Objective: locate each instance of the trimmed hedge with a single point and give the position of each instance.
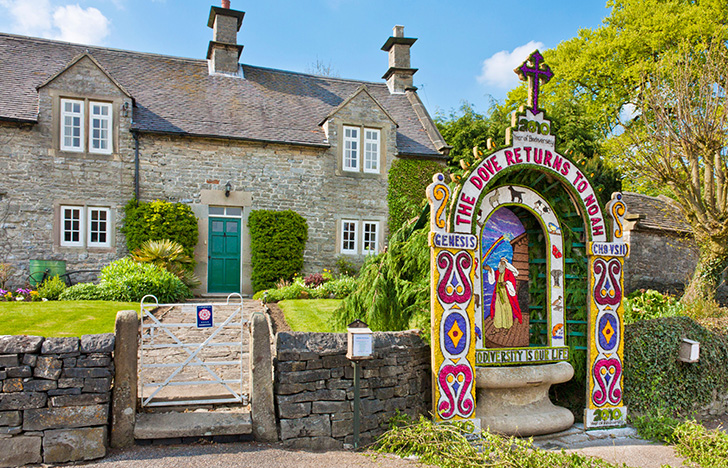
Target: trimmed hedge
(277, 242)
(655, 380)
(159, 220)
(408, 179)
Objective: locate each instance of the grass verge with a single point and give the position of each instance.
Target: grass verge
(310, 315)
(60, 318)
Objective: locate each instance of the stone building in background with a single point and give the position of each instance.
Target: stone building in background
(85, 129)
(663, 253)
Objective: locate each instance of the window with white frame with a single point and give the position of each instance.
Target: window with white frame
(371, 150)
(72, 123)
(348, 236)
(98, 227)
(361, 149)
(76, 123)
(83, 226)
(359, 237)
(100, 125)
(351, 149)
(72, 226)
(370, 237)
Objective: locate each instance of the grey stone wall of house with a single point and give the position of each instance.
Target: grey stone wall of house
(38, 177)
(306, 180)
(314, 387)
(54, 398)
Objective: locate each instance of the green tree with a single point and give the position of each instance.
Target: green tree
(601, 70)
(679, 140)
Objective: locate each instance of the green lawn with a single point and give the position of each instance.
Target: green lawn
(311, 315)
(60, 318)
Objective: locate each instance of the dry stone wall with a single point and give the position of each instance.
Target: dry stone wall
(314, 386)
(54, 398)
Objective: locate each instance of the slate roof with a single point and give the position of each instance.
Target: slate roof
(178, 95)
(655, 212)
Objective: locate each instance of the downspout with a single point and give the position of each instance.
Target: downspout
(135, 135)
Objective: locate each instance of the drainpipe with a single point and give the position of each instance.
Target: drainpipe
(135, 135)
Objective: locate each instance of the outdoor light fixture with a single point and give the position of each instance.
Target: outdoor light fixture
(125, 110)
(689, 351)
(228, 187)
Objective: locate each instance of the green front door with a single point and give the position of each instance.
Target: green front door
(223, 261)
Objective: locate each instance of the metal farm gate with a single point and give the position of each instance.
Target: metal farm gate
(193, 353)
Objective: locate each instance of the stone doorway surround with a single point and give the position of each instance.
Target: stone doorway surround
(235, 198)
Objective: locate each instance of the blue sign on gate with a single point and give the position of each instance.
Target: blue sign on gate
(204, 316)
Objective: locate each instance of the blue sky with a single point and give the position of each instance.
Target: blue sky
(466, 50)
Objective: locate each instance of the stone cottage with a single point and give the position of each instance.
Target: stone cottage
(663, 253)
(85, 129)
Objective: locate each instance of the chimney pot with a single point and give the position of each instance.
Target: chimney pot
(226, 4)
(398, 31)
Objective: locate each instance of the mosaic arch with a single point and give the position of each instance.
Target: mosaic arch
(460, 261)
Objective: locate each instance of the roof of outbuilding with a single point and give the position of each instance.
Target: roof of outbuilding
(655, 212)
(178, 95)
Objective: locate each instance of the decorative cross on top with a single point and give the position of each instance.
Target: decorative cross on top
(535, 71)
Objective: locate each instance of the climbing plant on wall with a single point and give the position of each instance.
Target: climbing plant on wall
(408, 179)
(277, 240)
(159, 220)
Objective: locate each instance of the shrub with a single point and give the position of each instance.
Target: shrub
(51, 288)
(707, 448)
(650, 304)
(169, 255)
(314, 280)
(277, 242)
(655, 382)
(346, 267)
(392, 291)
(334, 289)
(128, 281)
(81, 292)
(6, 269)
(159, 220)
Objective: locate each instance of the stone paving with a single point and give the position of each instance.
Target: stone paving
(231, 343)
(616, 446)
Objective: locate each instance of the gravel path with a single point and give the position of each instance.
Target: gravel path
(239, 455)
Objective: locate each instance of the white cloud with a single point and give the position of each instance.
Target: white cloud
(64, 22)
(30, 18)
(498, 69)
(87, 26)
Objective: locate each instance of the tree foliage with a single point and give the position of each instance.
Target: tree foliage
(601, 70)
(679, 140)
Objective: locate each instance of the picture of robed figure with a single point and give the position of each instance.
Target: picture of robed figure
(504, 307)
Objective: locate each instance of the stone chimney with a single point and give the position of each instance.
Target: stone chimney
(224, 51)
(399, 75)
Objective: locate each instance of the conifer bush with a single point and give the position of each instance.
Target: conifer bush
(277, 241)
(393, 288)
